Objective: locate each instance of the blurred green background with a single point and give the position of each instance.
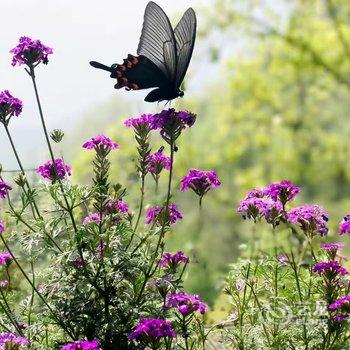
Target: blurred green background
(275, 105)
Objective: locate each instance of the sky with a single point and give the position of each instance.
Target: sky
(78, 31)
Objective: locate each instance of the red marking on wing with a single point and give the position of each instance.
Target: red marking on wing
(122, 70)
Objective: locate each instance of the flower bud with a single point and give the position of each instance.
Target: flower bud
(57, 135)
(20, 180)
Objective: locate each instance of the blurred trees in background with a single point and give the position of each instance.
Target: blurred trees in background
(277, 107)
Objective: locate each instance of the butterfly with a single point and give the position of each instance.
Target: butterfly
(164, 55)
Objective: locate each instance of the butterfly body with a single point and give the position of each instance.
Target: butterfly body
(163, 57)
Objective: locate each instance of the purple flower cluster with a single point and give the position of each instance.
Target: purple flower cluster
(82, 345)
(100, 141)
(154, 214)
(268, 202)
(283, 191)
(331, 248)
(4, 188)
(30, 52)
(143, 121)
(2, 227)
(152, 329)
(342, 303)
(330, 268)
(54, 171)
(117, 206)
(171, 122)
(9, 106)
(172, 261)
(157, 162)
(344, 226)
(256, 208)
(200, 181)
(93, 217)
(168, 117)
(186, 304)
(5, 258)
(12, 341)
(311, 218)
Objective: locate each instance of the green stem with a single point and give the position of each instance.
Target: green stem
(141, 201)
(9, 313)
(161, 234)
(5, 327)
(22, 169)
(68, 207)
(295, 270)
(200, 202)
(31, 301)
(261, 310)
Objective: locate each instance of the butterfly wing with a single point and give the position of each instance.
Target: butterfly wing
(157, 41)
(136, 73)
(185, 36)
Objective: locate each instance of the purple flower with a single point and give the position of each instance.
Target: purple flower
(100, 141)
(79, 262)
(255, 193)
(30, 52)
(157, 162)
(332, 248)
(2, 226)
(12, 341)
(199, 181)
(283, 191)
(9, 106)
(93, 217)
(157, 214)
(240, 284)
(56, 171)
(256, 208)
(172, 261)
(143, 121)
(186, 303)
(342, 303)
(344, 226)
(329, 247)
(4, 188)
(340, 317)
(330, 268)
(4, 283)
(283, 259)
(82, 345)
(311, 218)
(117, 207)
(5, 258)
(150, 331)
(171, 122)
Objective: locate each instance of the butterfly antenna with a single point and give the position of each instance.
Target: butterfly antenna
(99, 65)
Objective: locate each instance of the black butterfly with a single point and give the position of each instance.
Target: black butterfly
(164, 56)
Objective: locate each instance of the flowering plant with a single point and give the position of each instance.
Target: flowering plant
(106, 281)
(293, 292)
